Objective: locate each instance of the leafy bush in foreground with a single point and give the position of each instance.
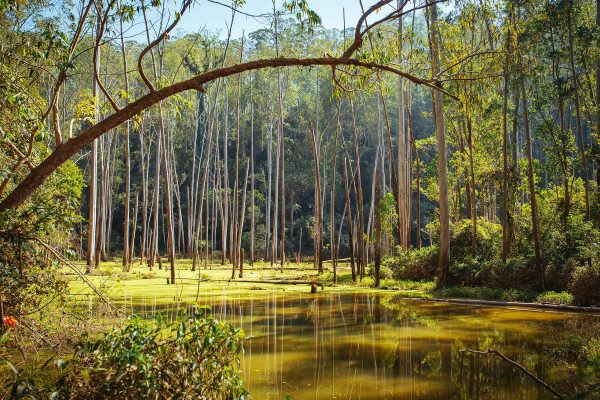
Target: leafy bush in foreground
(196, 358)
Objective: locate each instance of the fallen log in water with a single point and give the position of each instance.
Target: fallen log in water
(276, 282)
(496, 303)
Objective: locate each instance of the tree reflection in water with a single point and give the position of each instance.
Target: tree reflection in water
(371, 346)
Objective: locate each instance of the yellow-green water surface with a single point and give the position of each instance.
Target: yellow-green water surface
(344, 343)
(377, 346)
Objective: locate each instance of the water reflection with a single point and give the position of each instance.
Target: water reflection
(379, 347)
(366, 346)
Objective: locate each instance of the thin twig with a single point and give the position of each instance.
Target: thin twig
(66, 262)
(515, 364)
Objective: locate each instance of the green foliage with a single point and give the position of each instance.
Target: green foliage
(488, 242)
(563, 298)
(193, 358)
(389, 213)
(385, 272)
(413, 264)
(303, 13)
(27, 277)
(484, 292)
(591, 352)
(585, 285)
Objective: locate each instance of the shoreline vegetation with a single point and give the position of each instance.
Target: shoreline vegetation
(301, 275)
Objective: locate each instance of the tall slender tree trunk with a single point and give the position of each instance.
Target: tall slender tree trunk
(275, 229)
(506, 214)
(444, 240)
(144, 172)
(236, 210)
(252, 197)
(282, 193)
(350, 233)
(133, 228)
(93, 190)
(418, 192)
(240, 250)
(168, 196)
(269, 187)
(539, 269)
(403, 186)
(580, 137)
(360, 216)
(377, 229)
(598, 123)
(225, 219)
(318, 227)
(473, 193)
(338, 128)
(126, 201)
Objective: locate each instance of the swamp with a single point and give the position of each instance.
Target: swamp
(300, 200)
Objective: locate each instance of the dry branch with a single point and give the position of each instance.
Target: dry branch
(66, 262)
(495, 352)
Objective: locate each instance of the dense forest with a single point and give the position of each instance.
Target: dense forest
(447, 146)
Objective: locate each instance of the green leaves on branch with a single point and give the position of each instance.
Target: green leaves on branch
(303, 13)
(193, 358)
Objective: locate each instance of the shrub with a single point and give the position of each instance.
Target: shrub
(555, 298)
(488, 243)
(585, 285)
(483, 292)
(468, 273)
(195, 358)
(385, 272)
(516, 272)
(591, 353)
(515, 295)
(413, 264)
(28, 276)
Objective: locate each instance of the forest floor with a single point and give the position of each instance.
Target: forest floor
(140, 284)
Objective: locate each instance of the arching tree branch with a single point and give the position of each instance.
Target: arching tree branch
(160, 38)
(62, 153)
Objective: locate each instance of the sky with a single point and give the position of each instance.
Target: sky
(214, 17)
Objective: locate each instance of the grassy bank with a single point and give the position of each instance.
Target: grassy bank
(214, 280)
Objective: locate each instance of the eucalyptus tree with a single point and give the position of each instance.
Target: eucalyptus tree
(64, 149)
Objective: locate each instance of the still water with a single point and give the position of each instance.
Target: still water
(366, 346)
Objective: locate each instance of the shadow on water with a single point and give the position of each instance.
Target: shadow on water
(371, 346)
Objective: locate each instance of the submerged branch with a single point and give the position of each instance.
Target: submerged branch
(495, 352)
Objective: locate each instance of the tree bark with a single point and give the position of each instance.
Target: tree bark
(377, 229)
(539, 269)
(350, 233)
(444, 240)
(126, 261)
(62, 153)
(580, 137)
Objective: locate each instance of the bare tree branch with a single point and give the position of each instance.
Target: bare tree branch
(99, 35)
(160, 38)
(515, 364)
